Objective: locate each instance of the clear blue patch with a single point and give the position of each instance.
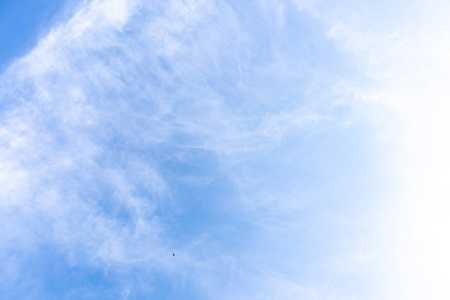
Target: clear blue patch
(22, 23)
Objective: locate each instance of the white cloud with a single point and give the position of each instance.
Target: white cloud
(95, 110)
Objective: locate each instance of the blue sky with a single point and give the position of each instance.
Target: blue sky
(22, 23)
(281, 149)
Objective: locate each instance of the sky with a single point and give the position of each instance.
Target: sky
(291, 149)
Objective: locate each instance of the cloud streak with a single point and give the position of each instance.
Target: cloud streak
(208, 127)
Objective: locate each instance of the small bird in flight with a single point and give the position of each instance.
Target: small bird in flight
(173, 254)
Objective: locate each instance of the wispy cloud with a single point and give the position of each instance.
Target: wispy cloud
(135, 128)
